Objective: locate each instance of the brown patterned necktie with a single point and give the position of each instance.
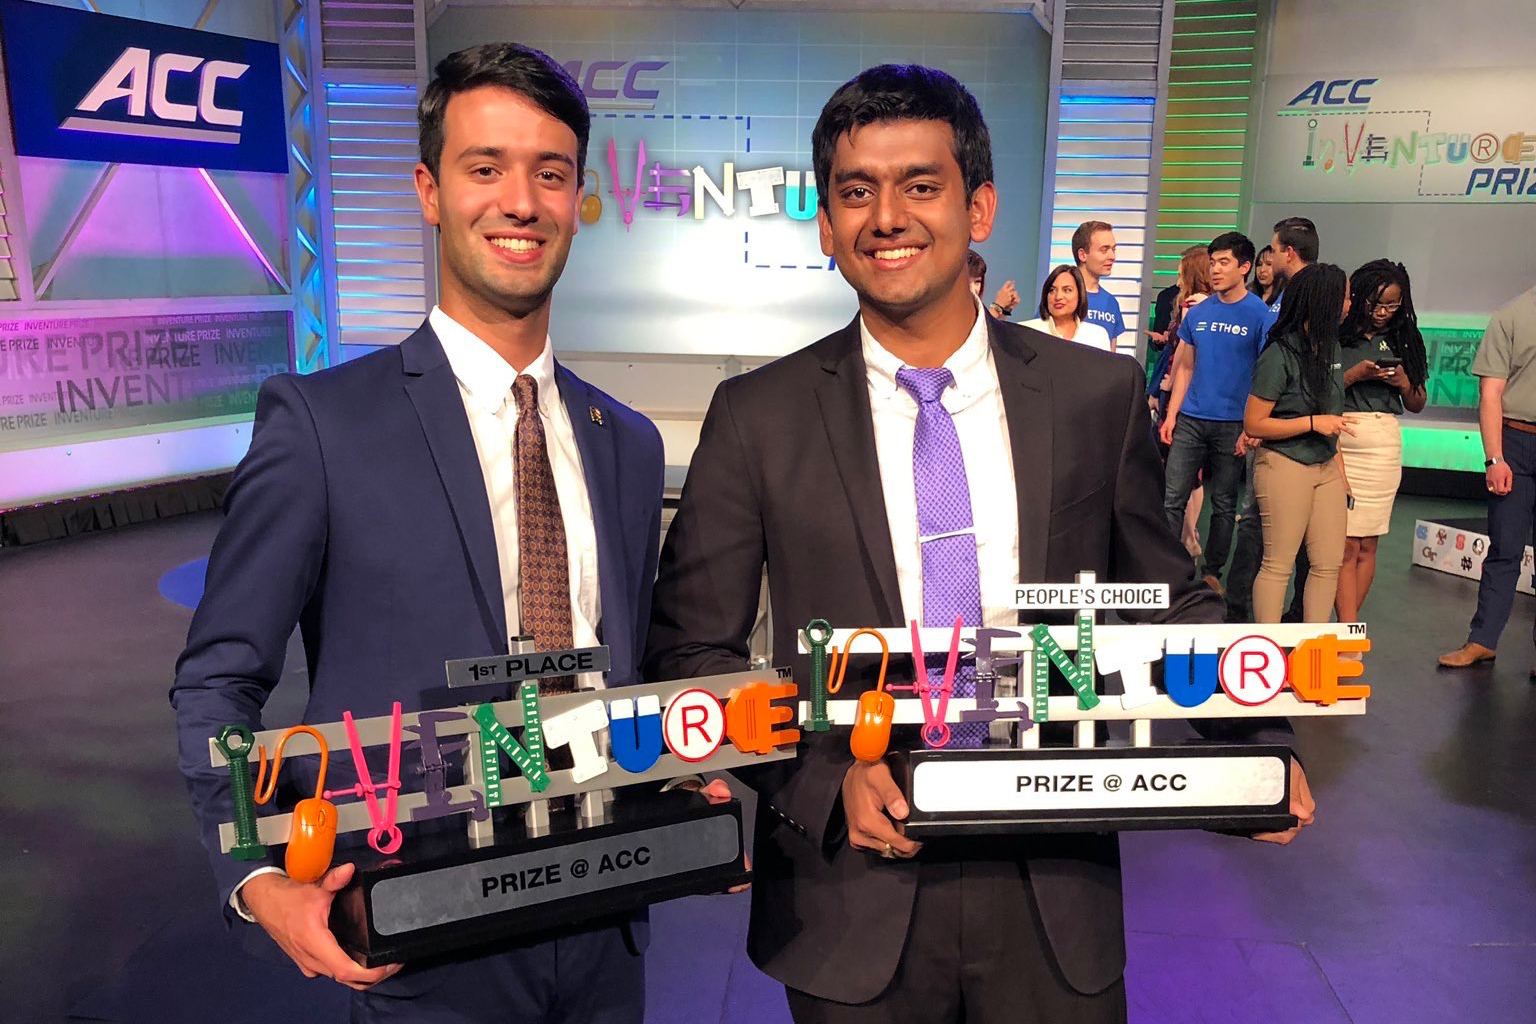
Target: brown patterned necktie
(544, 580)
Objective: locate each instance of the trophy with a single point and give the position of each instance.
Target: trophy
(1222, 671)
(540, 848)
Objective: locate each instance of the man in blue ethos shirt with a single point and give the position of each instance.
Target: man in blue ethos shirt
(1093, 247)
(1219, 340)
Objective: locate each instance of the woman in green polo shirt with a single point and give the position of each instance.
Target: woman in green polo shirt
(1295, 407)
(1386, 370)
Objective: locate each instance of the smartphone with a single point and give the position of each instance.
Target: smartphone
(1387, 362)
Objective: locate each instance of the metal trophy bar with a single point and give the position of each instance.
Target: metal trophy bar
(538, 848)
(1229, 671)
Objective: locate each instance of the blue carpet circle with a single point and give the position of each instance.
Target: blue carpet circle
(184, 584)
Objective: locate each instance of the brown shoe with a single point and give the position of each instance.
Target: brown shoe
(1467, 656)
(1215, 584)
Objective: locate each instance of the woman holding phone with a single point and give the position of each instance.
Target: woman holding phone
(1295, 406)
(1387, 370)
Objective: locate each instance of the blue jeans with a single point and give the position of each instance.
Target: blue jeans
(1509, 531)
(1209, 445)
(1248, 553)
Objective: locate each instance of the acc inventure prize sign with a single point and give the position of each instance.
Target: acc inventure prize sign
(1359, 135)
(90, 378)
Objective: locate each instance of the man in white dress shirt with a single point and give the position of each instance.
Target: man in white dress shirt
(915, 465)
(426, 502)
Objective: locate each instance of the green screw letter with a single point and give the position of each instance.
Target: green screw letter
(246, 847)
(818, 634)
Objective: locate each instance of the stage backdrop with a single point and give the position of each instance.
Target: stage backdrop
(706, 240)
(147, 192)
(1362, 136)
(66, 381)
(1450, 112)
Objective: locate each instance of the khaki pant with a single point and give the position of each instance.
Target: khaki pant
(1297, 502)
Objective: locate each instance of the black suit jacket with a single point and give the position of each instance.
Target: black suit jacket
(786, 474)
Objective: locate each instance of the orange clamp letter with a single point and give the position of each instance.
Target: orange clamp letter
(750, 717)
(1316, 670)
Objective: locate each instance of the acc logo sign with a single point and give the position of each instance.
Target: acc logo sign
(630, 93)
(106, 89)
(146, 84)
(1335, 93)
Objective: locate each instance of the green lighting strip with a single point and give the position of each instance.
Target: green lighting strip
(1449, 446)
(1202, 139)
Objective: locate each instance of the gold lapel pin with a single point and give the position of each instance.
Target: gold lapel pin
(596, 414)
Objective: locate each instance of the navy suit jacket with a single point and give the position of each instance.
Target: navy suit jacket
(360, 515)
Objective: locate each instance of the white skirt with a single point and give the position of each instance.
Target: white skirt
(1373, 464)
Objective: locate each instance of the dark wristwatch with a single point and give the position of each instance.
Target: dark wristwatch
(1490, 463)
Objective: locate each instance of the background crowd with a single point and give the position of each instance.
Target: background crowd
(1275, 385)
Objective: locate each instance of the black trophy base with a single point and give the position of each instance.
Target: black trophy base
(1003, 791)
(440, 896)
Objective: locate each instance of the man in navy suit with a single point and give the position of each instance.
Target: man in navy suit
(420, 504)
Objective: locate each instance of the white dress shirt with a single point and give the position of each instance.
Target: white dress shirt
(1088, 334)
(975, 402)
(485, 384)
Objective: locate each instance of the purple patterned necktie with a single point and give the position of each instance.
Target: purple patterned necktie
(946, 532)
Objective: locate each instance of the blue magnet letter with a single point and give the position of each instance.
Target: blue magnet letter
(634, 735)
(1190, 680)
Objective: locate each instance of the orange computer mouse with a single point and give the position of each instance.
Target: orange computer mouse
(872, 731)
(877, 709)
(312, 836)
(312, 840)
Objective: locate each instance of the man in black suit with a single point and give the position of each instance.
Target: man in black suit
(817, 465)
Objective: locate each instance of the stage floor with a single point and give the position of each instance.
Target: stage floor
(1412, 901)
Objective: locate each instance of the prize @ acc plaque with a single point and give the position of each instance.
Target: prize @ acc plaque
(1218, 671)
(496, 844)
